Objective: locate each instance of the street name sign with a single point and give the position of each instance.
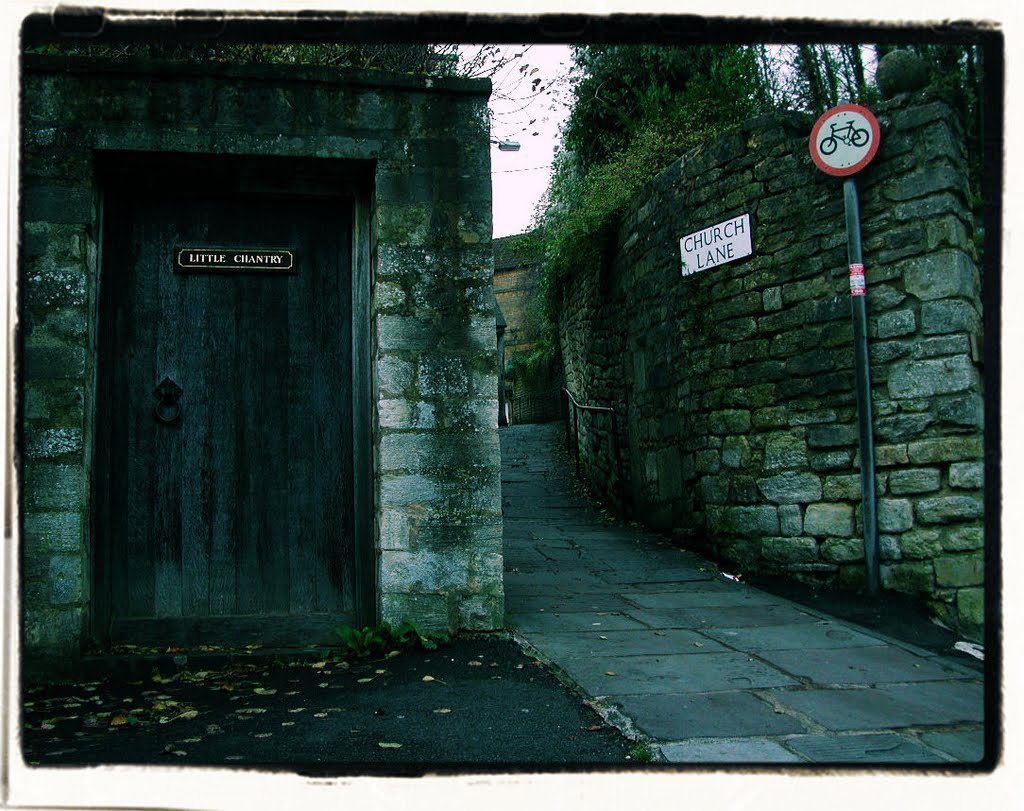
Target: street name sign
(234, 260)
(717, 244)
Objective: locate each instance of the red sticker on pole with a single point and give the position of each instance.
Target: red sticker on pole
(845, 139)
(858, 284)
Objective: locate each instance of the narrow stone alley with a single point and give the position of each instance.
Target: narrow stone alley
(703, 668)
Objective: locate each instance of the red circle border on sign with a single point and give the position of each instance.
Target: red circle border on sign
(876, 138)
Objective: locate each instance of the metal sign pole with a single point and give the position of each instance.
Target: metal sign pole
(843, 141)
(858, 300)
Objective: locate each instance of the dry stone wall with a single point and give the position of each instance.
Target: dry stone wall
(734, 386)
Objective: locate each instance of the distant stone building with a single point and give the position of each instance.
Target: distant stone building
(517, 279)
(257, 368)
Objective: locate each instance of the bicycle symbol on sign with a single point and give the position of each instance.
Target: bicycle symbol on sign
(847, 133)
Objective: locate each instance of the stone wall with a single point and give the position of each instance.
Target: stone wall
(517, 288)
(734, 386)
(517, 280)
(431, 362)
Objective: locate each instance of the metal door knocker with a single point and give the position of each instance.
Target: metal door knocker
(168, 393)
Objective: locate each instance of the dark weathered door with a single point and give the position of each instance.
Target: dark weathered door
(226, 511)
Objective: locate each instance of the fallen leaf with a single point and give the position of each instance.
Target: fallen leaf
(319, 715)
(475, 664)
(364, 681)
(384, 745)
(595, 728)
(602, 637)
(189, 715)
(118, 720)
(323, 684)
(298, 709)
(263, 734)
(319, 665)
(429, 678)
(443, 710)
(610, 673)
(249, 710)
(265, 691)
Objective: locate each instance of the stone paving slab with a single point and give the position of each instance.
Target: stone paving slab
(523, 584)
(672, 673)
(672, 716)
(651, 572)
(580, 621)
(725, 750)
(877, 664)
(738, 596)
(662, 585)
(966, 747)
(623, 643)
(820, 635)
(724, 617)
(556, 580)
(563, 603)
(879, 748)
(558, 554)
(530, 511)
(890, 706)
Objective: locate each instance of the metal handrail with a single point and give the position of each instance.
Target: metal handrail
(572, 435)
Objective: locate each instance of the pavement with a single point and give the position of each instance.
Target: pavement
(707, 669)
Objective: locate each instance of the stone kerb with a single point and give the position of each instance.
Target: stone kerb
(434, 356)
(737, 383)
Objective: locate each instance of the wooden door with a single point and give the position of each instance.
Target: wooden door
(226, 498)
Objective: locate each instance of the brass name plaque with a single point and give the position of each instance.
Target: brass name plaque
(234, 260)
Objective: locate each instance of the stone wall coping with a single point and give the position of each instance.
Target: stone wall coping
(316, 74)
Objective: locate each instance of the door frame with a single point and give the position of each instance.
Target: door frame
(274, 177)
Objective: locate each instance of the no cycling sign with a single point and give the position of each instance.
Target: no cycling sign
(844, 140)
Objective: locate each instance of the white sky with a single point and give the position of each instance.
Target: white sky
(519, 179)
